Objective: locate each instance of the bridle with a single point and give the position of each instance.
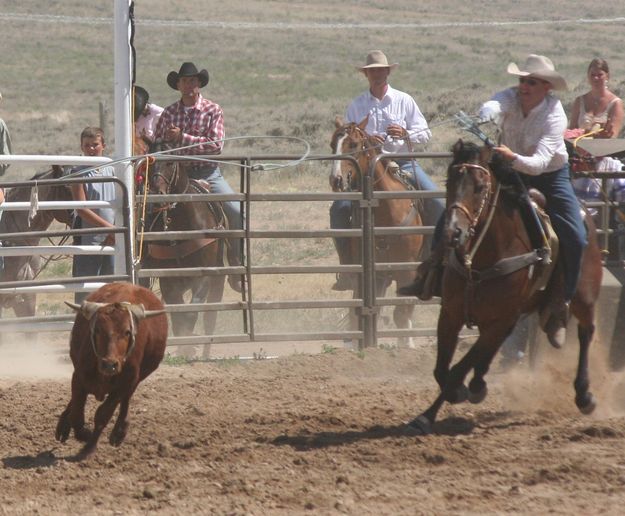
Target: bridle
(488, 199)
(363, 149)
(171, 180)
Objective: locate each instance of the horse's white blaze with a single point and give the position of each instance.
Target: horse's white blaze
(336, 164)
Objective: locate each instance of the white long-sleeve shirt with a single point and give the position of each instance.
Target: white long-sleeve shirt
(537, 139)
(396, 107)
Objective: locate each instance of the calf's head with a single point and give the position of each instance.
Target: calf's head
(112, 331)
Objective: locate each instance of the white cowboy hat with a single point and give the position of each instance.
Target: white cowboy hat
(376, 59)
(539, 67)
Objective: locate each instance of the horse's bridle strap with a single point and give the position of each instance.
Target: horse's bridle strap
(181, 250)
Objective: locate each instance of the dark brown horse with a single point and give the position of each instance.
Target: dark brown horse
(351, 139)
(171, 178)
(28, 267)
(491, 278)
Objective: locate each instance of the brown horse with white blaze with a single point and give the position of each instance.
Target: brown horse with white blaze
(351, 139)
(491, 279)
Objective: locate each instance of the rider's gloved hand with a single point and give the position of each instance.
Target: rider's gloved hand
(490, 112)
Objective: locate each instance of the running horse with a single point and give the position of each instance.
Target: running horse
(18, 268)
(351, 139)
(170, 177)
(492, 277)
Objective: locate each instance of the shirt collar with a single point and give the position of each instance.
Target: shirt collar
(182, 107)
(387, 94)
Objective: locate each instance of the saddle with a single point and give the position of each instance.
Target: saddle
(549, 249)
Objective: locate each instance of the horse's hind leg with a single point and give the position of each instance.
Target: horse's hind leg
(584, 312)
(584, 399)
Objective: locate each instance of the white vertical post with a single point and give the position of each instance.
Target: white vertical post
(123, 125)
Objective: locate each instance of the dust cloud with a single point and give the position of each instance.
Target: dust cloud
(34, 356)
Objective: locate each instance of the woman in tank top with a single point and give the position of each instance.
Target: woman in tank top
(599, 109)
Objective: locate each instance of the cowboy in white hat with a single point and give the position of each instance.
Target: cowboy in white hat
(395, 120)
(196, 125)
(532, 124)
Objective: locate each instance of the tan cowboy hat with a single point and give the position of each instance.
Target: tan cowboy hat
(539, 67)
(376, 59)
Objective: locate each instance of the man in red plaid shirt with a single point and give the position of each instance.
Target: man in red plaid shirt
(197, 125)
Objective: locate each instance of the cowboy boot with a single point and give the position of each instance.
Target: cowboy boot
(555, 315)
(429, 278)
(555, 326)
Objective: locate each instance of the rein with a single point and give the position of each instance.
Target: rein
(502, 267)
(180, 249)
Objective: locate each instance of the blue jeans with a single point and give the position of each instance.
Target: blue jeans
(90, 265)
(232, 209)
(341, 210)
(564, 211)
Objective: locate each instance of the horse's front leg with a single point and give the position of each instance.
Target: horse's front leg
(452, 388)
(448, 328)
(486, 347)
(172, 289)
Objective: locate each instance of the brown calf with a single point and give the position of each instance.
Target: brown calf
(113, 347)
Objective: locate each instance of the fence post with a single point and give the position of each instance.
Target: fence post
(369, 313)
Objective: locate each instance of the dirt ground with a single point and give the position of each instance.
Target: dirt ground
(320, 434)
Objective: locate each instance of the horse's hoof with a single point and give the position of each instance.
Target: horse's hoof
(421, 425)
(478, 397)
(460, 395)
(587, 405)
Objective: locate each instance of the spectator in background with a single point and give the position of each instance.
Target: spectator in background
(5, 142)
(599, 110)
(146, 115)
(397, 123)
(197, 124)
(597, 113)
(92, 144)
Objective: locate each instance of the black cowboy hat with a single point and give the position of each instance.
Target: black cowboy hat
(187, 70)
(141, 100)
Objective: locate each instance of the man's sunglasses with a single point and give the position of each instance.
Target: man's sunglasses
(529, 81)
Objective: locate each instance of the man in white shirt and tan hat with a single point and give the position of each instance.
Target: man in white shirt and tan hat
(532, 122)
(397, 123)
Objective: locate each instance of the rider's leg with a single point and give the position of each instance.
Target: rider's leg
(340, 218)
(429, 276)
(564, 211)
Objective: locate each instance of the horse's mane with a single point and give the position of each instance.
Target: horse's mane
(15, 194)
